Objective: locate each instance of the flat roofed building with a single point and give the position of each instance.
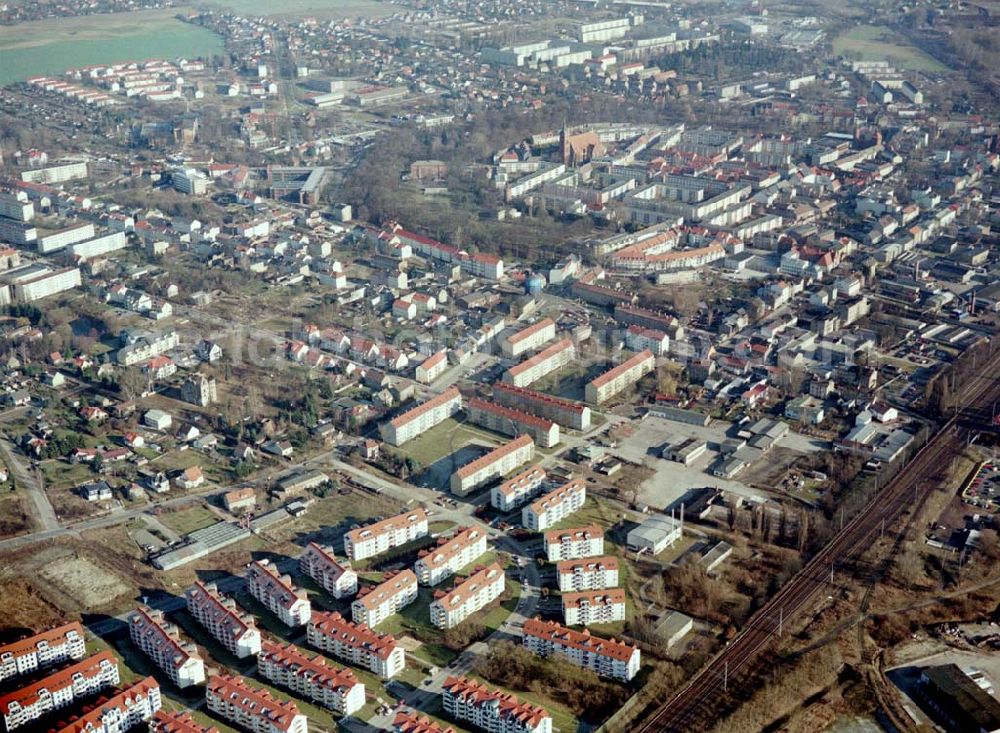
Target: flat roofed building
(515, 491)
(468, 596)
(472, 702)
(529, 338)
(554, 506)
(621, 377)
(421, 418)
(606, 657)
(958, 701)
(545, 362)
(335, 577)
(375, 604)
(498, 462)
(289, 603)
(509, 421)
(372, 539)
(573, 543)
(161, 641)
(566, 413)
(254, 708)
(356, 643)
(592, 573)
(334, 689)
(135, 704)
(654, 535)
(59, 690)
(233, 629)
(451, 555)
(180, 721)
(582, 608)
(45, 649)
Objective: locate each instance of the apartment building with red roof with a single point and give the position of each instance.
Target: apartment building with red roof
(528, 338)
(554, 506)
(603, 606)
(335, 577)
(178, 722)
(573, 542)
(450, 555)
(471, 594)
(356, 643)
(470, 701)
(607, 657)
(276, 591)
(591, 573)
(566, 413)
(254, 708)
(421, 418)
(409, 721)
(136, 704)
(545, 362)
(617, 379)
(311, 677)
(515, 491)
(372, 539)
(235, 630)
(498, 462)
(376, 603)
(44, 649)
(510, 421)
(160, 640)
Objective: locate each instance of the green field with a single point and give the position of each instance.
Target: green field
(878, 43)
(184, 521)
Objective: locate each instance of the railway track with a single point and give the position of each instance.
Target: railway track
(695, 701)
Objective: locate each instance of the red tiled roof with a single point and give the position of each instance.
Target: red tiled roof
(605, 597)
(374, 596)
(510, 707)
(255, 700)
(588, 565)
(557, 348)
(583, 640)
(510, 413)
(274, 583)
(407, 721)
(27, 696)
(468, 586)
(495, 455)
(448, 547)
(388, 525)
(92, 719)
(633, 363)
(574, 533)
(441, 399)
(319, 672)
(178, 722)
(531, 330)
(512, 485)
(356, 636)
(557, 495)
(51, 637)
(532, 394)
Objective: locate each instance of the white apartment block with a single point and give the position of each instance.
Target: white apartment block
(160, 641)
(356, 643)
(606, 657)
(592, 573)
(373, 539)
(469, 701)
(136, 704)
(574, 543)
(528, 339)
(432, 367)
(62, 238)
(554, 506)
(450, 556)
(619, 378)
(567, 413)
(374, 604)
(30, 283)
(421, 418)
(545, 362)
(640, 338)
(45, 649)
(335, 689)
(16, 206)
(508, 421)
(276, 592)
(252, 708)
(230, 627)
(59, 690)
(55, 173)
(588, 607)
(333, 576)
(498, 462)
(515, 491)
(470, 595)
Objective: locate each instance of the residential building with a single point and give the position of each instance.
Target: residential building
(35, 281)
(566, 413)
(515, 491)
(252, 708)
(639, 338)
(409, 721)
(470, 595)
(554, 506)
(422, 418)
(574, 543)
(498, 462)
(333, 576)
(199, 390)
(160, 640)
(239, 501)
(356, 643)
(432, 367)
(607, 657)
(373, 539)
(136, 704)
(234, 630)
(584, 608)
(45, 649)
(619, 378)
(180, 721)
(528, 339)
(508, 421)
(469, 701)
(545, 362)
(312, 678)
(451, 555)
(59, 690)
(592, 573)
(274, 590)
(376, 603)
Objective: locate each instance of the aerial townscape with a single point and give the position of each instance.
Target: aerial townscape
(504, 366)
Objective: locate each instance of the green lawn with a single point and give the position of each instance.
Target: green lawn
(593, 511)
(63, 475)
(444, 439)
(877, 43)
(185, 521)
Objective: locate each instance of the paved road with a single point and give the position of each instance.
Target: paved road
(30, 479)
